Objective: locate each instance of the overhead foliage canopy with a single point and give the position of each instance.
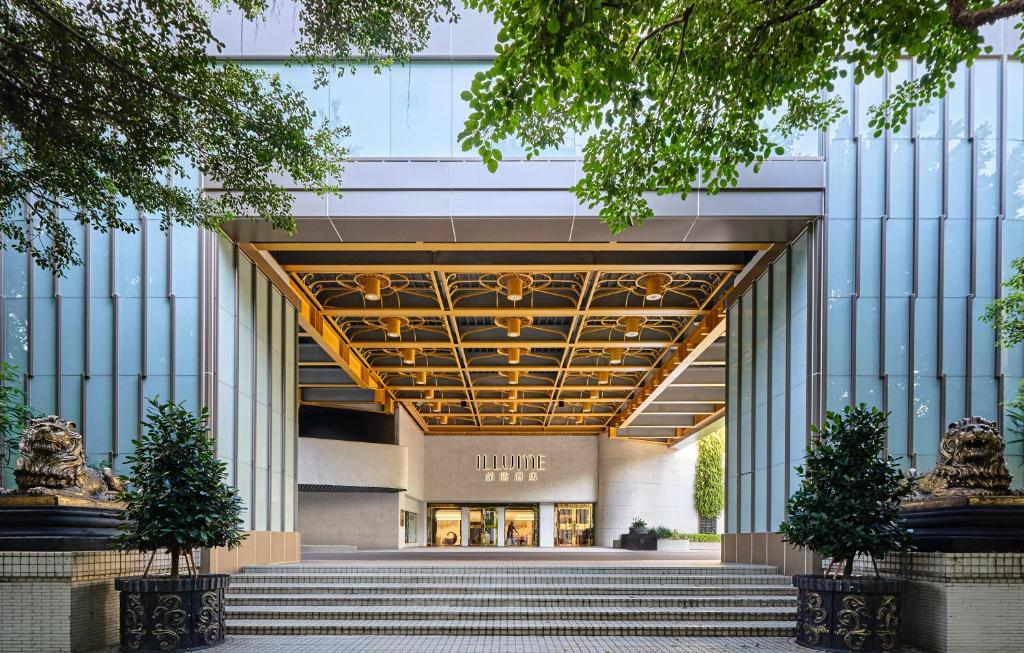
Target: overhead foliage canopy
(671, 91)
(106, 102)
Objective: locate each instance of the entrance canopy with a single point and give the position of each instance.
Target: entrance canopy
(497, 304)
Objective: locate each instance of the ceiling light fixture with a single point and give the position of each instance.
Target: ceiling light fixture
(371, 288)
(513, 325)
(603, 378)
(631, 326)
(409, 356)
(429, 394)
(393, 326)
(615, 355)
(421, 377)
(515, 288)
(513, 377)
(654, 287)
(595, 394)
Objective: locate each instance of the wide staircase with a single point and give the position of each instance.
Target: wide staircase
(325, 599)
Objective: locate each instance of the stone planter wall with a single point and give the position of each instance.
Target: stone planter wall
(64, 601)
(666, 544)
(957, 602)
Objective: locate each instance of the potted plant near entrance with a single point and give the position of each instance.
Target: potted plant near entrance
(176, 501)
(638, 527)
(848, 505)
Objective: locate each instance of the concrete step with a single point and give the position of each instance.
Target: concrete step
(515, 613)
(787, 599)
(774, 587)
(488, 627)
(557, 579)
(512, 568)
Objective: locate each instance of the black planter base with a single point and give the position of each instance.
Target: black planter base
(172, 614)
(969, 525)
(860, 614)
(639, 541)
(29, 523)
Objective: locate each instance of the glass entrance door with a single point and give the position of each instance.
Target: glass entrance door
(574, 524)
(483, 527)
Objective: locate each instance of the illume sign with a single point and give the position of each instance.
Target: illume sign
(515, 468)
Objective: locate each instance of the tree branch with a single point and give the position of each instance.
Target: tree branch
(964, 17)
(681, 19)
(785, 18)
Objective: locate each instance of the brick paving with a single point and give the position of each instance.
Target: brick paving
(514, 644)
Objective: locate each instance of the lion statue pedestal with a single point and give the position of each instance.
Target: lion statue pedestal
(60, 504)
(965, 505)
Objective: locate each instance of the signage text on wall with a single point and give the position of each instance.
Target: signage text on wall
(515, 468)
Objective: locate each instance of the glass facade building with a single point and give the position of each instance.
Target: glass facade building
(881, 253)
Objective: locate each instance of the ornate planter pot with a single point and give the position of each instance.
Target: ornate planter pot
(641, 530)
(171, 614)
(859, 614)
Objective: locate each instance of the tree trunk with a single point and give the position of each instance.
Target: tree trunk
(174, 563)
(848, 569)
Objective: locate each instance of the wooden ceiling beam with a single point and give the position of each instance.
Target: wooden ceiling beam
(372, 312)
(384, 268)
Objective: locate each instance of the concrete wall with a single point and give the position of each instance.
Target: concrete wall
(348, 464)
(367, 520)
(410, 437)
(451, 474)
(646, 480)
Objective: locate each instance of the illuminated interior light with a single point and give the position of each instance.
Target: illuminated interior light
(615, 355)
(444, 418)
(513, 394)
(421, 378)
(409, 356)
(513, 377)
(514, 407)
(632, 326)
(436, 406)
(603, 378)
(595, 394)
(393, 327)
(580, 419)
(429, 394)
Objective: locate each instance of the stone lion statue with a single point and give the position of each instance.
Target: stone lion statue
(52, 462)
(970, 462)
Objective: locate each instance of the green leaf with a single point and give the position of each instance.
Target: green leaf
(553, 25)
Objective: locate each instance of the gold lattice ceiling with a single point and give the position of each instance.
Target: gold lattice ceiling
(479, 351)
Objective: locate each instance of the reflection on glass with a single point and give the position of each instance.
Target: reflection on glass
(409, 521)
(483, 527)
(447, 526)
(520, 527)
(574, 524)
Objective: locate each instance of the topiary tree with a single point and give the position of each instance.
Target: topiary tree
(176, 498)
(849, 498)
(709, 482)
